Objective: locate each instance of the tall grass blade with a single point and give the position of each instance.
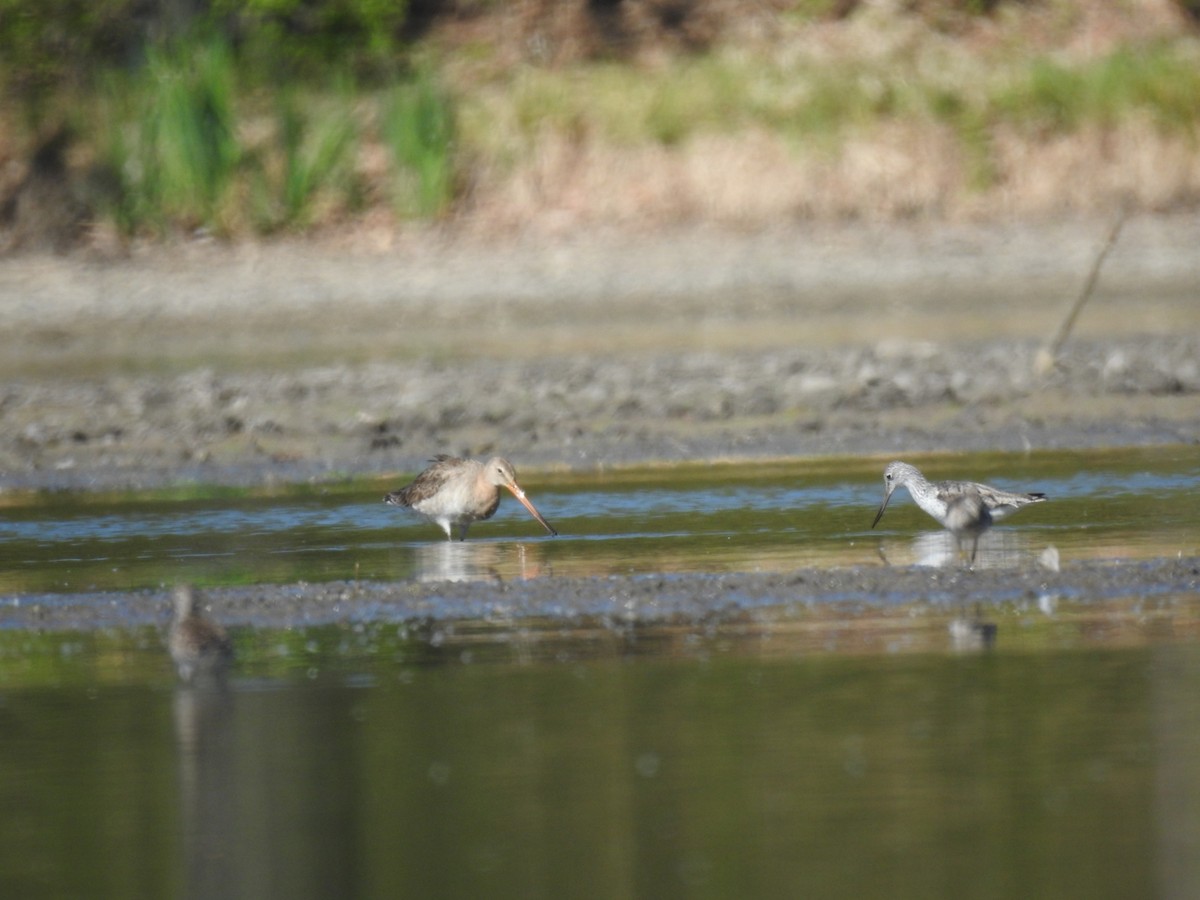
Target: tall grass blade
(418, 128)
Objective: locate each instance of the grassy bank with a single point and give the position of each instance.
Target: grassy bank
(505, 118)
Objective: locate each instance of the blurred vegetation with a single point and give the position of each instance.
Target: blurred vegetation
(174, 147)
(268, 115)
(417, 123)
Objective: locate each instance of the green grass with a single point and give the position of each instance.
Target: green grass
(187, 142)
(417, 122)
(171, 135)
(198, 142)
(1160, 82)
(196, 145)
(311, 154)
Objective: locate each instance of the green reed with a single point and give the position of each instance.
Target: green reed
(309, 158)
(417, 123)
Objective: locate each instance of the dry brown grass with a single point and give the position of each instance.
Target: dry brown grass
(571, 171)
(894, 168)
(896, 171)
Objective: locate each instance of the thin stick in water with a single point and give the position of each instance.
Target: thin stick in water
(1047, 356)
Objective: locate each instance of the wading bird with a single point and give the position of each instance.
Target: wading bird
(455, 492)
(965, 508)
(198, 645)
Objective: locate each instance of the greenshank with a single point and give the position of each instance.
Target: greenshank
(964, 508)
(967, 516)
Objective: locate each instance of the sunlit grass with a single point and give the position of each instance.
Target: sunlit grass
(945, 103)
(173, 142)
(417, 121)
(1162, 82)
(310, 156)
(807, 98)
(197, 144)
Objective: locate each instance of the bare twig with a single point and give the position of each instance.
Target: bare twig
(1047, 356)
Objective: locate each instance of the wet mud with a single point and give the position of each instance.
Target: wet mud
(301, 362)
(1155, 597)
(247, 366)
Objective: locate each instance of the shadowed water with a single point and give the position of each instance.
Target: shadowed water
(701, 774)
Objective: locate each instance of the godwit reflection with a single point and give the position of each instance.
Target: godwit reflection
(462, 561)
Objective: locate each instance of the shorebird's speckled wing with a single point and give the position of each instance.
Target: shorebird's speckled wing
(432, 480)
(935, 497)
(998, 503)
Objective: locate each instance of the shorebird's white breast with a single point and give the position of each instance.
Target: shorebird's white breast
(926, 496)
(457, 500)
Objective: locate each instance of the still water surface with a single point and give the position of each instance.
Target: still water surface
(996, 775)
(374, 761)
(1127, 504)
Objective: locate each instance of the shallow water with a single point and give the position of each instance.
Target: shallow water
(708, 774)
(720, 518)
(837, 752)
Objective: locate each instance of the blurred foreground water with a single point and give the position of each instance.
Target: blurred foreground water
(1004, 774)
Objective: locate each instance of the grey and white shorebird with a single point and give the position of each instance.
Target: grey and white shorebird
(455, 492)
(198, 645)
(965, 508)
(967, 516)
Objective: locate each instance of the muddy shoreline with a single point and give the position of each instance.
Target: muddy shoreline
(303, 362)
(616, 601)
(307, 363)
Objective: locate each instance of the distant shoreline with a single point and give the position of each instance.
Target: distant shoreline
(304, 360)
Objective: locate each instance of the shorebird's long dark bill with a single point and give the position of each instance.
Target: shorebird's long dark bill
(882, 506)
(520, 495)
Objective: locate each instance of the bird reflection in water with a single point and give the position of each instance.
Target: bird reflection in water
(1001, 548)
(203, 716)
(478, 561)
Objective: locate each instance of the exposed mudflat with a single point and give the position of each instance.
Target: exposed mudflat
(242, 365)
(855, 610)
(309, 361)
(618, 601)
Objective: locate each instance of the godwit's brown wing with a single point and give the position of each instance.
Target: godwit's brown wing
(444, 469)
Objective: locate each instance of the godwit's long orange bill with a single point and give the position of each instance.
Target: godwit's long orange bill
(528, 504)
